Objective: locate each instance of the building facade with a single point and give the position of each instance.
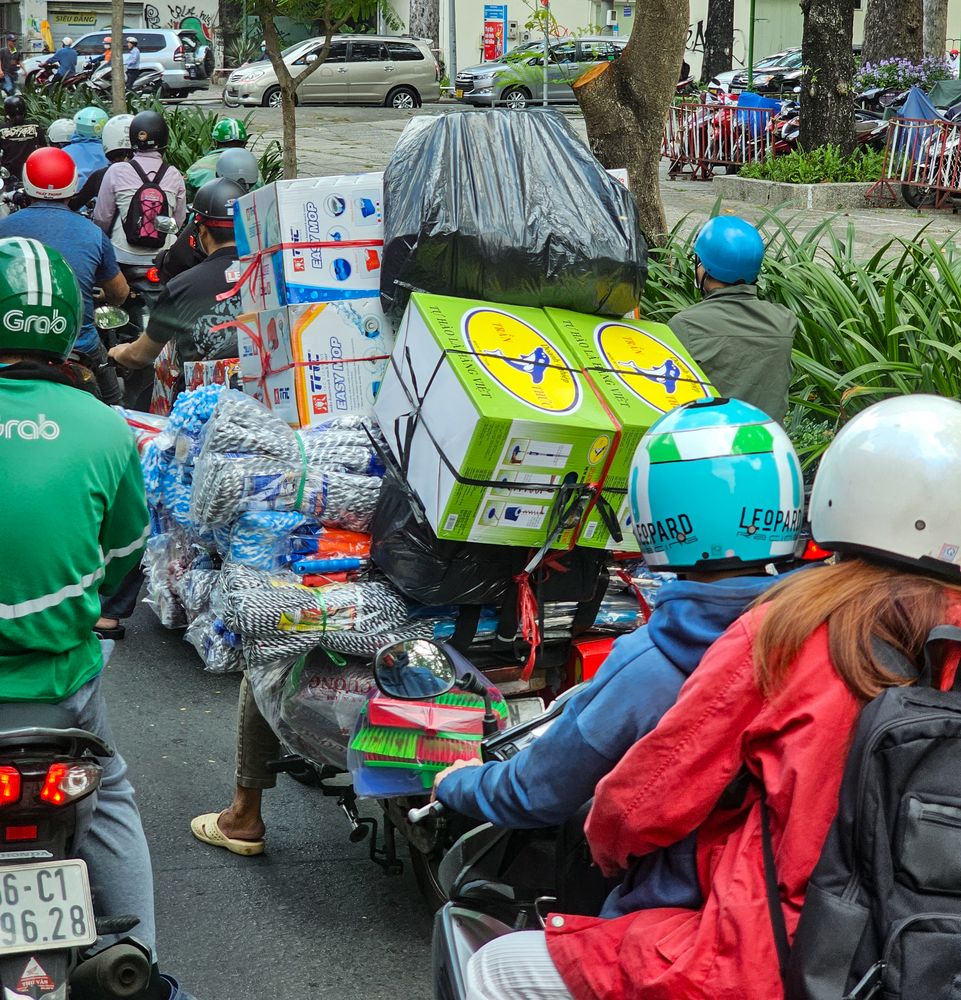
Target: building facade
(777, 25)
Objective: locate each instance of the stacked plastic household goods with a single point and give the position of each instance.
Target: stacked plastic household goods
(313, 338)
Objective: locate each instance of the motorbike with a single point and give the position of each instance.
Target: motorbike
(44, 76)
(149, 81)
(49, 772)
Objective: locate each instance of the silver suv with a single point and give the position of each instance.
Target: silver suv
(517, 79)
(185, 62)
(396, 71)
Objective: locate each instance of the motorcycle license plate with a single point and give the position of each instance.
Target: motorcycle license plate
(523, 710)
(458, 94)
(45, 906)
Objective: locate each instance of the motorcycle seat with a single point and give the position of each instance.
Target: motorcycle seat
(39, 724)
(20, 715)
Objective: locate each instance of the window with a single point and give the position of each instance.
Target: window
(91, 45)
(598, 51)
(566, 52)
(368, 52)
(337, 54)
(147, 41)
(404, 52)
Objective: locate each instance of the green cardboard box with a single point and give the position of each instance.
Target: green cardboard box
(642, 372)
(483, 392)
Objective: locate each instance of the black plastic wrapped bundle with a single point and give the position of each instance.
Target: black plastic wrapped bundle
(508, 206)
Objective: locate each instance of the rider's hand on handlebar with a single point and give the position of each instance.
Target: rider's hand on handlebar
(456, 766)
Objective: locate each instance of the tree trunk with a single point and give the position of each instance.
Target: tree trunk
(935, 28)
(288, 117)
(827, 96)
(424, 20)
(118, 83)
(625, 103)
(718, 39)
(893, 29)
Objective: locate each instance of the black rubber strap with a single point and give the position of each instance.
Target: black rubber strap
(773, 895)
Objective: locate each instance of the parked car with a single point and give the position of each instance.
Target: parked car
(396, 71)
(770, 67)
(186, 63)
(517, 79)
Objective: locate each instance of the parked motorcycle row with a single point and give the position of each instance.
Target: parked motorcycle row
(94, 77)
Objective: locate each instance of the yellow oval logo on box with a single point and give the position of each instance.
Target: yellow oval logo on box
(648, 367)
(522, 361)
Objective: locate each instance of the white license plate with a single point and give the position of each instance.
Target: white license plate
(523, 710)
(45, 906)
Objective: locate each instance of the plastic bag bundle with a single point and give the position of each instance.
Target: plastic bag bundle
(313, 705)
(189, 417)
(196, 586)
(176, 484)
(261, 539)
(251, 460)
(280, 619)
(166, 560)
(503, 207)
(218, 647)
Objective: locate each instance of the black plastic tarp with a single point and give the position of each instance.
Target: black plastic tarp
(508, 206)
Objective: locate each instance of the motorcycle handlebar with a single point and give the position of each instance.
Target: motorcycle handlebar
(416, 816)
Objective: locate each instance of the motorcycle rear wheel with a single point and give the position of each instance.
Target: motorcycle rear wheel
(916, 196)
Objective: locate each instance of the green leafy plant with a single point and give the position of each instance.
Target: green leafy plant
(902, 73)
(824, 165)
(867, 329)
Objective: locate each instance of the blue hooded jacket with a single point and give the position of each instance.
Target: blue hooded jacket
(87, 152)
(551, 779)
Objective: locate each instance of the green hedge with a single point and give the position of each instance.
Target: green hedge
(824, 165)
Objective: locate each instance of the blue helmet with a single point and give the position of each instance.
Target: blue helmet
(715, 485)
(730, 249)
(90, 121)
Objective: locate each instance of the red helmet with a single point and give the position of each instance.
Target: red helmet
(51, 174)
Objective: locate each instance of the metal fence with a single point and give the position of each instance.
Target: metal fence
(699, 138)
(923, 159)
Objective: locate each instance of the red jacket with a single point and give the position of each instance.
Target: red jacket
(669, 784)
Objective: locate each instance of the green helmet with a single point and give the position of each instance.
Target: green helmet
(90, 122)
(41, 308)
(229, 130)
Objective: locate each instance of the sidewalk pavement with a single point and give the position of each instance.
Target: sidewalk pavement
(332, 140)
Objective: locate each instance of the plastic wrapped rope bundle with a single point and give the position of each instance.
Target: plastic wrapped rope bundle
(279, 619)
(314, 704)
(261, 539)
(166, 560)
(219, 648)
(251, 460)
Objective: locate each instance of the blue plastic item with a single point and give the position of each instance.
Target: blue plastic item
(730, 249)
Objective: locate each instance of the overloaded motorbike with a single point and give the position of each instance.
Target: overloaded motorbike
(49, 774)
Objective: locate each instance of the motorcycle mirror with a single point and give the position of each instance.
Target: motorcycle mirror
(413, 670)
(165, 224)
(110, 318)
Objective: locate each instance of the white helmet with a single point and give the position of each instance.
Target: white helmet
(889, 485)
(67, 42)
(61, 131)
(116, 133)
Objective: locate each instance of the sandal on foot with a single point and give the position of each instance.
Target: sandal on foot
(110, 633)
(207, 829)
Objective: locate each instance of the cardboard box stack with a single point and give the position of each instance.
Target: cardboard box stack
(313, 340)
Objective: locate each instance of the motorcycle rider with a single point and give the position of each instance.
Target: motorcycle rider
(49, 181)
(774, 704)
(718, 578)
(742, 342)
(77, 476)
(10, 64)
(18, 137)
(86, 146)
(116, 147)
(131, 61)
(228, 133)
(60, 132)
(237, 165)
(65, 59)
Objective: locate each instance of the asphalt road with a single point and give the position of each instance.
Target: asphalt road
(312, 918)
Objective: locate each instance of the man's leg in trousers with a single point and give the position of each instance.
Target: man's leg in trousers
(115, 848)
(257, 743)
(123, 602)
(111, 391)
(515, 967)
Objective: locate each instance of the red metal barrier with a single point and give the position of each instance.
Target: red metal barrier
(699, 138)
(922, 160)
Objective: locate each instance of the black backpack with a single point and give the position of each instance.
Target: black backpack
(882, 914)
(149, 202)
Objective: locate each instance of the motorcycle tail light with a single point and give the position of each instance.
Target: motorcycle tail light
(9, 785)
(65, 783)
(153, 276)
(19, 833)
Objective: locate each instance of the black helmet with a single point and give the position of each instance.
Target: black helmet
(214, 202)
(148, 130)
(15, 108)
